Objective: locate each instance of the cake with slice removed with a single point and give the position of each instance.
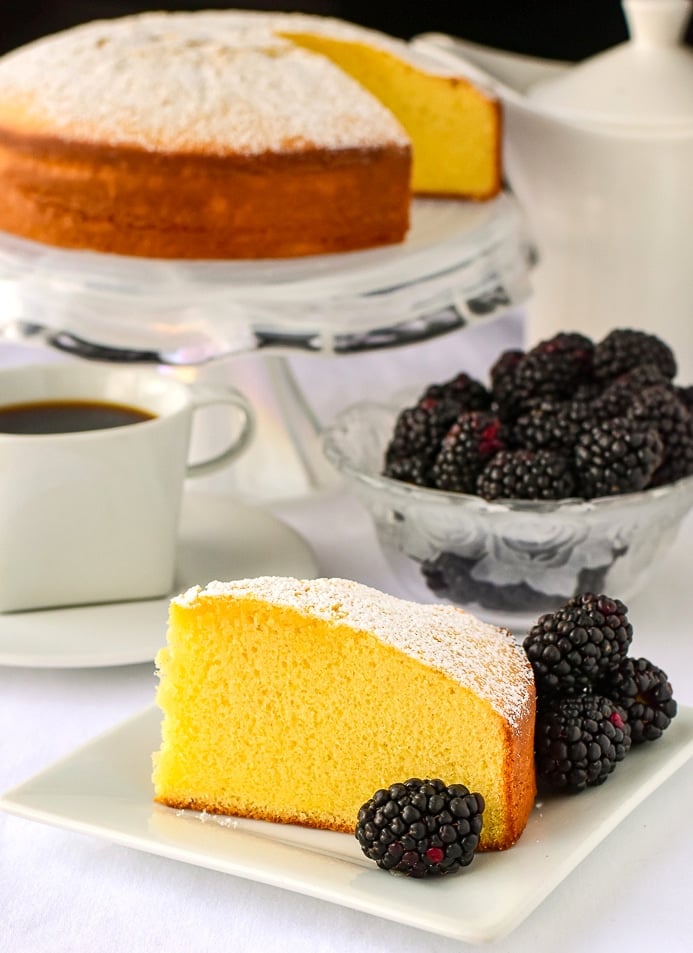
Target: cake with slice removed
(214, 135)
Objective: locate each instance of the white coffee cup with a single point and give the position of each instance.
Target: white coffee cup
(92, 516)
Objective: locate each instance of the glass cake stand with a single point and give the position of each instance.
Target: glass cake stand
(461, 263)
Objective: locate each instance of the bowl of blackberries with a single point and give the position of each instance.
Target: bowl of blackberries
(569, 469)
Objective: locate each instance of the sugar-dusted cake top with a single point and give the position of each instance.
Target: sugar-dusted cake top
(215, 82)
(478, 655)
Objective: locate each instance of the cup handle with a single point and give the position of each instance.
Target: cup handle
(208, 397)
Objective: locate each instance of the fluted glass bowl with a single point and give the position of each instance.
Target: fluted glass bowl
(507, 561)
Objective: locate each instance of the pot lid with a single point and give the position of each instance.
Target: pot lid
(646, 82)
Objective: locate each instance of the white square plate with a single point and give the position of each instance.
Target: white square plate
(104, 789)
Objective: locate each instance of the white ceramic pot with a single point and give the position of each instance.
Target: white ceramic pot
(601, 159)
(600, 156)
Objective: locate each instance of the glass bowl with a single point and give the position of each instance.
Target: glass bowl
(508, 561)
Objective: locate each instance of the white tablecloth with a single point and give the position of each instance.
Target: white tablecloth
(62, 892)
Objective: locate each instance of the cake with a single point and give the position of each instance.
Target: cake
(214, 135)
(293, 701)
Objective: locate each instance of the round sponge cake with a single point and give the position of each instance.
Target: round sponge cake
(201, 135)
(232, 134)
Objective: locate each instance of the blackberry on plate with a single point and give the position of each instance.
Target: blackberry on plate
(572, 648)
(526, 475)
(644, 692)
(625, 348)
(421, 828)
(553, 368)
(617, 456)
(471, 441)
(579, 741)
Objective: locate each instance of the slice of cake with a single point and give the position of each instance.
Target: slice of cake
(294, 701)
(455, 128)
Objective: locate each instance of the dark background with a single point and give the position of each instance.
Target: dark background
(551, 28)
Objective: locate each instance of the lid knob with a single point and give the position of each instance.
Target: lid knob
(643, 86)
(653, 23)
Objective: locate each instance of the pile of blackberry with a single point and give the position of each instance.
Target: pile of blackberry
(569, 418)
(594, 700)
(421, 828)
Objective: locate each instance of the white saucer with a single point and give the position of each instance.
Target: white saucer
(219, 539)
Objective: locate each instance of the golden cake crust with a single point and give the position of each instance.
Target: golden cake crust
(201, 206)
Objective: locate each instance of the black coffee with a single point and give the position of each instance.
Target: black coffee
(68, 416)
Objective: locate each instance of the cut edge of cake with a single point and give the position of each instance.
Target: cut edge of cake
(455, 127)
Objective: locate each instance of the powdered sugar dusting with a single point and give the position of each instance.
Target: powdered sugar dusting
(479, 656)
(214, 82)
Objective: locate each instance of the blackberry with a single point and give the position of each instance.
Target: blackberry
(451, 576)
(685, 395)
(460, 394)
(612, 403)
(421, 828)
(553, 368)
(418, 431)
(471, 441)
(526, 475)
(644, 692)
(644, 375)
(579, 741)
(624, 349)
(572, 648)
(616, 456)
(658, 407)
(587, 390)
(502, 376)
(620, 398)
(416, 470)
(552, 425)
